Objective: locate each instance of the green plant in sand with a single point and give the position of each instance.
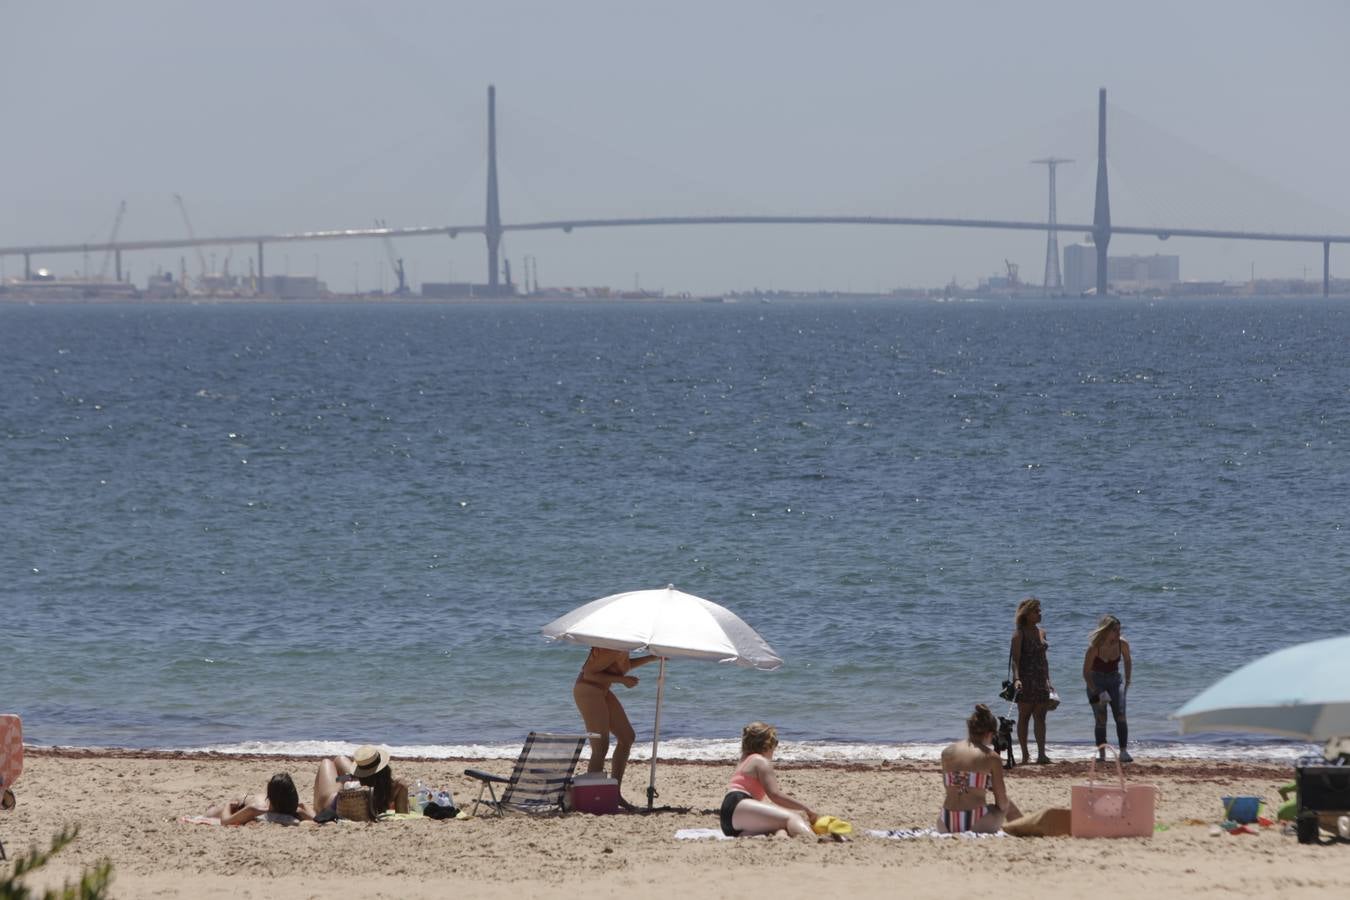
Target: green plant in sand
(93, 884)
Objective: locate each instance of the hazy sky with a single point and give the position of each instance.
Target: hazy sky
(298, 114)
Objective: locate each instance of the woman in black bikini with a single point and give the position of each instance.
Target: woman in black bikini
(1031, 676)
(281, 804)
(1101, 671)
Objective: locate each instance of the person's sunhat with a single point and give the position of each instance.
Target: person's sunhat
(369, 759)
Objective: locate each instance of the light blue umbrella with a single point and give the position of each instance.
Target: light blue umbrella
(1301, 691)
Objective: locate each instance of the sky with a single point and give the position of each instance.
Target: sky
(296, 115)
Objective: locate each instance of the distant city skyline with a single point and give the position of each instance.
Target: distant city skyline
(315, 115)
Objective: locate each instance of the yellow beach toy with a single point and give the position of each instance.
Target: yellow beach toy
(832, 825)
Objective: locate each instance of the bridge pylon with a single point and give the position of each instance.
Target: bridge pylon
(1101, 216)
(493, 227)
(1053, 281)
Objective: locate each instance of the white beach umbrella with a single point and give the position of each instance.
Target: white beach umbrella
(667, 623)
(1300, 691)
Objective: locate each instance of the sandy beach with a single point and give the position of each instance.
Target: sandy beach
(128, 806)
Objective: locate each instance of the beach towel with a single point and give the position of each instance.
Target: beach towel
(702, 834)
(265, 818)
(909, 834)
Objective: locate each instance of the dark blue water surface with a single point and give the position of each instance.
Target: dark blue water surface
(229, 523)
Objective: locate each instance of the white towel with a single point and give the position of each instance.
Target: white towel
(268, 817)
(909, 834)
(702, 834)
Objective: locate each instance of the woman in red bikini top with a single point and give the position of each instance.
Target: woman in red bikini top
(745, 807)
(603, 713)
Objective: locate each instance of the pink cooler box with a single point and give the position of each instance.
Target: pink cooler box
(595, 793)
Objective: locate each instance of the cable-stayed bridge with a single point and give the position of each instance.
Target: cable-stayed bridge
(493, 228)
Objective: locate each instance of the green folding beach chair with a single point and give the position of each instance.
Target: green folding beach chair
(540, 778)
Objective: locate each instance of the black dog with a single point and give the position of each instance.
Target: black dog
(1003, 740)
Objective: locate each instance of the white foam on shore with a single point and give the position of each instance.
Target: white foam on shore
(788, 751)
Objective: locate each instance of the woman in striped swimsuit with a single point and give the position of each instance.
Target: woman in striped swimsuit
(970, 769)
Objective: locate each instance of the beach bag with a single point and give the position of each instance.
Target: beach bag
(353, 803)
(1052, 822)
(1118, 810)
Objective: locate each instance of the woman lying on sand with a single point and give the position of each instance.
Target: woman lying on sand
(281, 804)
(368, 765)
(744, 808)
(970, 769)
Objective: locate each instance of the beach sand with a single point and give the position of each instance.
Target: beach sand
(128, 804)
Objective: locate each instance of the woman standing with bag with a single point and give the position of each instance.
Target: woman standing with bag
(1031, 676)
(1101, 671)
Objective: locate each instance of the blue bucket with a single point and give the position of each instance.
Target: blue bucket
(1241, 809)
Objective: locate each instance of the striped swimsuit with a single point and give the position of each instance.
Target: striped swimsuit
(953, 821)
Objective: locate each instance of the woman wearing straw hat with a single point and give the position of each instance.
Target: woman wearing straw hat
(368, 765)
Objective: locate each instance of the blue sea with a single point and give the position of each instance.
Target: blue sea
(281, 528)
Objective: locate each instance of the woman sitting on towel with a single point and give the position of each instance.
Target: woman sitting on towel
(970, 769)
(281, 804)
(745, 809)
(370, 766)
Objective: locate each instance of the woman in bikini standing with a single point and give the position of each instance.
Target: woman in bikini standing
(603, 713)
(1101, 671)
(970, 770)
(1031, 676)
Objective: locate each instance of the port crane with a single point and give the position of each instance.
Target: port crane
(395, 261)
(112, 239)
(187, 223)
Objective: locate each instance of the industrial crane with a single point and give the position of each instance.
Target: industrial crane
(112, 239)
(187, 223)
(394, 260)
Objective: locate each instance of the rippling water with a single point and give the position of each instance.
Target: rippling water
(268, 524)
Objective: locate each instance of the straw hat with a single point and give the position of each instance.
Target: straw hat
(369, 760)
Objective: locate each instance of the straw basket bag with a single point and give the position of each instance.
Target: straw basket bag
(354, 803)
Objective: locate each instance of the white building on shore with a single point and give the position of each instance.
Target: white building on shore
(1123, 273)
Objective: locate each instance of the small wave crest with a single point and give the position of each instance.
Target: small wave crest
(700, 750)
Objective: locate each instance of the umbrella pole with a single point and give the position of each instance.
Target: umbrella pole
(656, 734)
